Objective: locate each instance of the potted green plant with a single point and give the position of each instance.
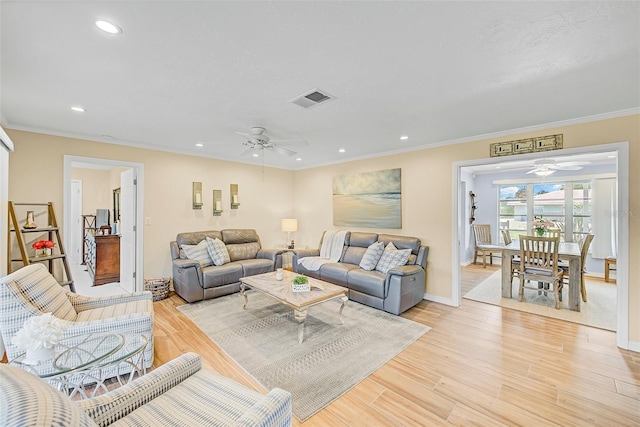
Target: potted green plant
(300, 284)
(300, 280)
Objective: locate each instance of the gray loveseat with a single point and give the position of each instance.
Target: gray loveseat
(193, 282)
(395, 292)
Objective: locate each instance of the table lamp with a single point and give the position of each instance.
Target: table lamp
(289, 225)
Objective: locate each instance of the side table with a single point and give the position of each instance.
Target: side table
(81, 362)
(287, 259)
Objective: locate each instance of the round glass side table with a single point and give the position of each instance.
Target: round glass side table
(85, 364)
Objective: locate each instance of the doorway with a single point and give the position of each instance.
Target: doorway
(622, 165)
(136, 261)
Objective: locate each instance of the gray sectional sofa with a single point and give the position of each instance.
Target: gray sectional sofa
(193, 282)
(395, 292)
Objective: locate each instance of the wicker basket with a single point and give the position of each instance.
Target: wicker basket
(158, 287)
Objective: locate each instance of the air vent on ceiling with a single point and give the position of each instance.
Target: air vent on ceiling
(312, 98)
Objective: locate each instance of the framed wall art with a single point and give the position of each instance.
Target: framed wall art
(368, 199)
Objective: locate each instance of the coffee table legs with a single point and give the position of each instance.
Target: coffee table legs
(300, 318)
(243, 288)
(302, 315)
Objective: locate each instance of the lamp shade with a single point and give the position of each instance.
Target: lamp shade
(289, 225)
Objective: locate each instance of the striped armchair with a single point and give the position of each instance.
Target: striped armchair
(178, 393)
(33, 291)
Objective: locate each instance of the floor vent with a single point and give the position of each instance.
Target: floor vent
(312, 98)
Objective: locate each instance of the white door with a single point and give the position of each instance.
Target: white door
(75, 246)
(128, 230)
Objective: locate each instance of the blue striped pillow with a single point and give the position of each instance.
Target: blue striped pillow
(218, 251)
(198, 252)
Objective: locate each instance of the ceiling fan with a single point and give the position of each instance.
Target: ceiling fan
(544, 167)
(258, 140)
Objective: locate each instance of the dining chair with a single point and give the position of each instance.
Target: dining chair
(554, 232)
(551, 232)
(515, 261)
(564, 265)
(539, 263)
(483, 245)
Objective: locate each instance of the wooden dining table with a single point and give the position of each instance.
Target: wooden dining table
(567, 251)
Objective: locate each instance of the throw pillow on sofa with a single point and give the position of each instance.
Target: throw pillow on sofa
(372, 256)
(198, 252)
(392, 258)
(218, 251)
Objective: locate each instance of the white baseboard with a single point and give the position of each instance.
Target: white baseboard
(439, 299)
(634, 346)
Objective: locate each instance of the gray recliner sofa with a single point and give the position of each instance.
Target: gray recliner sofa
(193, 282)
(395, 292)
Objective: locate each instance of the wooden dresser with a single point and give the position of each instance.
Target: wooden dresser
(103, 257)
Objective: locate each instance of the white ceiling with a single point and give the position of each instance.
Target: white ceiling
(188, 72)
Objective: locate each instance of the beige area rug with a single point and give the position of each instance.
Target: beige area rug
(599, 310)
(332, 358)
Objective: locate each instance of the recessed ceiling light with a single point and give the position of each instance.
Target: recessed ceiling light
(256, 155)
(403, 137)
(498, 167)
(199, 144)
(78, 109)
(298, 159)
(108, 27)
(342, 150)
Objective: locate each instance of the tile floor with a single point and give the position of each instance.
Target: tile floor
(84, 285)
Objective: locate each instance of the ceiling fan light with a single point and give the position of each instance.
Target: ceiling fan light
(108, 27)
(544, 172)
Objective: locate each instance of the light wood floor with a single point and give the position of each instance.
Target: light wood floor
(480, 365)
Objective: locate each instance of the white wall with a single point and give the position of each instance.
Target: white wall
(5, 145)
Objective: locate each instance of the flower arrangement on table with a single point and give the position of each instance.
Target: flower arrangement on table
(41, 245)
(38, 337)
(541, 225)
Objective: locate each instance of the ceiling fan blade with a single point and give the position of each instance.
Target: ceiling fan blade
(290, 142)
(566, 168)
(577, 163)
(280, 150)
(245, 134)
(533, 171)
(248, 151)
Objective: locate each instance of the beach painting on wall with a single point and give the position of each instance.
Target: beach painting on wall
(369, 199)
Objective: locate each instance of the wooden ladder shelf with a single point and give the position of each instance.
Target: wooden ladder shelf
(52, 232)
